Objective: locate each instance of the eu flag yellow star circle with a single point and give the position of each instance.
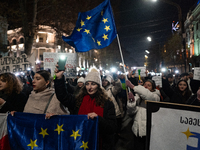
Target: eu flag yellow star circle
(33, 144)
(104, 36)
(59, 129)
(75, 134)
(43, 132)
(84, 145)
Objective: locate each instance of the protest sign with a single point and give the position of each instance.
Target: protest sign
(14, 64)
(158, 80)
(51, 59)
(172, 126)
(196, 73)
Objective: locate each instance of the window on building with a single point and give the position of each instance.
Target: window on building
(21, 40)
(40, 39)
(41, 51)
(14, 42)
(41, 57)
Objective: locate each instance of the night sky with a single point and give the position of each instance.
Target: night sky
(141, 18)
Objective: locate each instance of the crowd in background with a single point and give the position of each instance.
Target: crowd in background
(122, 113)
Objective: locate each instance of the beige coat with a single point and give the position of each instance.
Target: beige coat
(37, 103)
(112, 92)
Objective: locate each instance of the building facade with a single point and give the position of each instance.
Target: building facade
(45, 41)
(192, 30)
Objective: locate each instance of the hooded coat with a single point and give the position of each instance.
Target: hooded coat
(112, 92)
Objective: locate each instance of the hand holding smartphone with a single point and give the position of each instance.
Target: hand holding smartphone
(61, 63)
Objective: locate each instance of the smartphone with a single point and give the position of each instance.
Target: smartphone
(61, 62)
(133, 73)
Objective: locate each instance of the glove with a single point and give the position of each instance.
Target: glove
(131, 97)
(129, 84)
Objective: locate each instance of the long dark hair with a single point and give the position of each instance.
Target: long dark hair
(185, 94)
(100, 96)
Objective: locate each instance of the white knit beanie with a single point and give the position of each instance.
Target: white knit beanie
(81, 79)
(109, 78)
(93, 76)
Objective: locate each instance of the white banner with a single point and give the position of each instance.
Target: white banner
(51, 59)
(196, 73)
(158, 80)
(14, 64)
(174, 129)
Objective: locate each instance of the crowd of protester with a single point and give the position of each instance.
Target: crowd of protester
(122, 114)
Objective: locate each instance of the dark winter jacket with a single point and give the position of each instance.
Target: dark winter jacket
(175, 95)
(14, 102)
(193, 100)
(107, 123)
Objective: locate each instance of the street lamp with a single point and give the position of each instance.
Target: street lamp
(163, 69)
(147, 51)
(149, 39)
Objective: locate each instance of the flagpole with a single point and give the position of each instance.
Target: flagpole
(120, 49)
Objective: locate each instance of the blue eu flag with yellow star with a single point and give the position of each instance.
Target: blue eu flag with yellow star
(34, 132)
(95, 29)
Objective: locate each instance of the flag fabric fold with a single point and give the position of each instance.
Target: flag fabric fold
(4, 142)
(95, 29)
(34, 132)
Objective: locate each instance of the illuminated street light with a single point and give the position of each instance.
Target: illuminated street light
(113, 69)
(149, 39)
(154, 0)
(163, 69)
(147, 51)
(176, 71)
(145, 56)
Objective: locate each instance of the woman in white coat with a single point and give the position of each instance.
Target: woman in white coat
(137, 109)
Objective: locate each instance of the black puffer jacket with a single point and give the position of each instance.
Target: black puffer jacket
(107, 123)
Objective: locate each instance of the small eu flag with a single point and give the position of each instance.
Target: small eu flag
(34, 132)
(95, 29)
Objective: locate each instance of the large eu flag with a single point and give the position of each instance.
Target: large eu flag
(34, 132)
(95, 29)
